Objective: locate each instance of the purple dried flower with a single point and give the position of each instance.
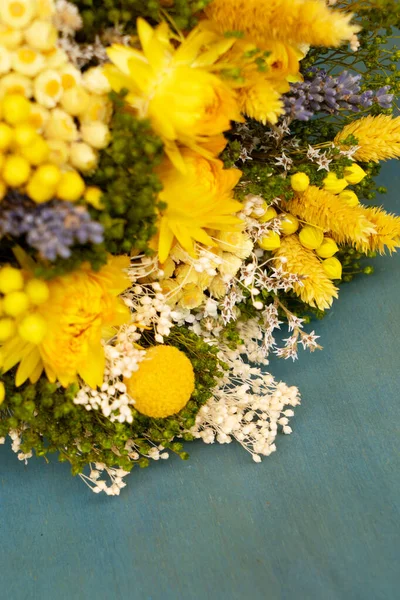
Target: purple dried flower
(51, 228)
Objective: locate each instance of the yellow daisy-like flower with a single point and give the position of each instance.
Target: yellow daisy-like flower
(378, 137)
(198, 199)
(17, 13)
(316, 289)
(292, 21)
(79, 308)
(174, 88)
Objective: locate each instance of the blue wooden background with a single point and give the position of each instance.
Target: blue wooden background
(317, 520)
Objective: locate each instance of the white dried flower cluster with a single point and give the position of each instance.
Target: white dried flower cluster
(15, 435)
(247, 406)
(66, 18)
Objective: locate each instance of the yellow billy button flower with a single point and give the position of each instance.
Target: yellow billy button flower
(310, 237)
(349, 197)
(7, 329)
(270, 213)
(32, 328)
(11, 280)
(15, 303)
(37, 291)
(71, 187)
(354, 174)
(270, 241)
(81, 305)
(37, 152)
(333, 184)
(299, 182)
(16, 108)
(25, 135)
(6, 136)
(2, 392)
(289, 223)
(163, 384)
(174, 87)
(333, 268)
(327, 249)
(16, 170)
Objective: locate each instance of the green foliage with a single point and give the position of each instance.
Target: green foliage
(126, 175)
(99, 16)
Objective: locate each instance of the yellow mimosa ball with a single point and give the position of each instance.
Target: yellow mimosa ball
(7, 329)
(33, 328)
(11, 280)
(15, 303)
(37, 291)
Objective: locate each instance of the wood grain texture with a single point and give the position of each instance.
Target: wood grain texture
(317, 520)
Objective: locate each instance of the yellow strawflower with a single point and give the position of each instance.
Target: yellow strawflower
(378, 137)
(293, 21)
(63, 334)
(199, 198)
(164, 382)
(316, 289)
(175, 88)
(348, 224)
(387, 227)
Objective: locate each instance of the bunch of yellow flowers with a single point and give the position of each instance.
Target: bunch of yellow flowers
(53, 118)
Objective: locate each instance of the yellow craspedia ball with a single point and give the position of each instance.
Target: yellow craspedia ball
(25, 134)
(310, 237)
(32, 328)
(7, 329)
(299, 182)
(37, 291)
(6, 136)
(16, 108)
(11, 280)
(271, 241)
(16, 170)
(37, 152)
(164, 382)
(15, 303)
(2, 392)
(71, 187)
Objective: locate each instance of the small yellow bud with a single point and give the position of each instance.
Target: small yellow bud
(16, 170)
(71, 187)
(93, 196)
(37, 152)
(6, 136)
(333, 184)
(75, 101)
(38, 192)
(7, 329)
(289, 223)
(15, 303)
(11, 280)
(48, 175)
(16, 108)
(41, 35)
(310, 237)
(25, 134)
(327, 249)
(33, 328)
(269, 214)
(332, 267)
(299, 182)
(350, 198)
(61, 127)
(59, 152)
(95, 134)
(82, 156)
(192, 296)
(37, 291)
(354, 174)
(2, 392)
(271, 241)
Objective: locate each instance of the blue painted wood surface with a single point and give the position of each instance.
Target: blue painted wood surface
(317, 520)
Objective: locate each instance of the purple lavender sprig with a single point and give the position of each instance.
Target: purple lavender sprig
(51, 228)
(320, 92)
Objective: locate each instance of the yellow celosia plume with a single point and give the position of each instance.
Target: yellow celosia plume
(292, 21)
(348, 224)
(378, 137)
(387, 227)
(316, 289)
(186, 103)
